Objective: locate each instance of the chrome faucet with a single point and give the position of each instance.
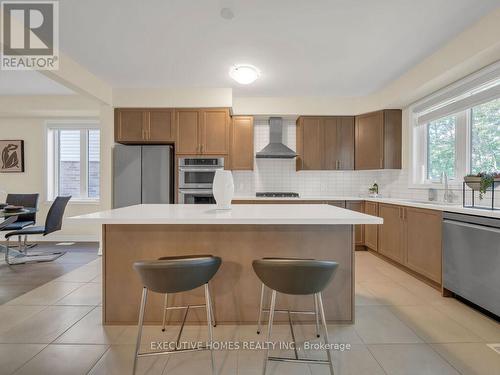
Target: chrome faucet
(448, 195)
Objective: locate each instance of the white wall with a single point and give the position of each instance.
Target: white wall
(468, 52)
(173, 98)
(31, 129)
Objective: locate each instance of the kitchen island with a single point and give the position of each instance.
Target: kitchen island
(238, 236)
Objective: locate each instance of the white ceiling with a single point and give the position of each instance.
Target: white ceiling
(303, 48)
(29, 82)
(321, 47)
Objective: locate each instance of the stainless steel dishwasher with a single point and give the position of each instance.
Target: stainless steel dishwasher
(471, 259)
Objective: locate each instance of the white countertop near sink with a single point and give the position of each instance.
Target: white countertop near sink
(287, 214)
(301, 198)
(458, 208)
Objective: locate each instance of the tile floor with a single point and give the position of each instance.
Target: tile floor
(402, 327)
(24, 277)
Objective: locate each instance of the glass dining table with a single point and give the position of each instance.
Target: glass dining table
(23, 211)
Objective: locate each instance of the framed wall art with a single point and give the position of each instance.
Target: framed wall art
(11, 156)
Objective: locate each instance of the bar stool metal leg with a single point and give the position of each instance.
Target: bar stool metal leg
(269, 329)
(165, 306)
(317, 315)
(141, 321)
(208, 301)
(259, 322)
(325, 331)
(212, 308)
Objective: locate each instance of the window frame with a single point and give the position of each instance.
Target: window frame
(52, 128)
(457, 99)
(463, 154)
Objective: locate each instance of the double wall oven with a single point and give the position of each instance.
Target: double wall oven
(196, 176)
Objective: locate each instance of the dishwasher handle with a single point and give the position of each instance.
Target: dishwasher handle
(474, 226)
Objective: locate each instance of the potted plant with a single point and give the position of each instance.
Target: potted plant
(373, 190)
(481, 181)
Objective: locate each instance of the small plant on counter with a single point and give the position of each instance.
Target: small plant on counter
(373, 190)
(481, 181)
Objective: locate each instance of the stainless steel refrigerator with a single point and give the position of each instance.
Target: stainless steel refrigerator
(142, 174)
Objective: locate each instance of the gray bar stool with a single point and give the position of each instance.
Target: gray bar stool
(165, 303)
(296, 277)
(264, 310)
(175, 276)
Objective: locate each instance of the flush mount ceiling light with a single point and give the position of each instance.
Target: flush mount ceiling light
(244, 73)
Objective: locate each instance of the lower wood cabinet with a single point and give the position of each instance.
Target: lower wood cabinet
(424, 242)
(371, 231)
(359, 230)
(340, 204)
(412, 237)
(391, 236)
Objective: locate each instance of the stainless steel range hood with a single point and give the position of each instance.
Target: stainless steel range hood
(276, 149)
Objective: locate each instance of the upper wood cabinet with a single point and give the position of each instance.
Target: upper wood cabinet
(202, 131)
(309, 134)
(161, 125)
(215, 131)
(187, 123)
(241, 150)
(378, 140)
(371, 231)
(325, 143)
(136, 125)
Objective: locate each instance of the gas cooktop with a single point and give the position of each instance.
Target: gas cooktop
(277, 195)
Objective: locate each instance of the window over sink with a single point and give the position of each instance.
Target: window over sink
(457, 130)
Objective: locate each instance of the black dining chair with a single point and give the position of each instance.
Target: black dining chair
(7, 222)
(53, 223)
(23, 220)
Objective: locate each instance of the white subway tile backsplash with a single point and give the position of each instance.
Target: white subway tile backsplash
(280, 175)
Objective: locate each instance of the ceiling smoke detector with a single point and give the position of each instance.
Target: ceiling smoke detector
(227, 13)
(244, 73)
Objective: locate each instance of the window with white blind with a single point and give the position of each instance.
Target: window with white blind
(456, 131)
(73, 160)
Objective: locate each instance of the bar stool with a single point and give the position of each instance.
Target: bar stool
(296, 277)
(175, 276)
(262, 310)
(165, 303)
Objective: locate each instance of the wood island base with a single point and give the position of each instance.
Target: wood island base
(235, 288)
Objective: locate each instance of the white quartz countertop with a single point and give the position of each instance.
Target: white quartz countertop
(439, 206)
(288, 214)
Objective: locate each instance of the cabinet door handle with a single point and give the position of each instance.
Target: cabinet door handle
(201, 148)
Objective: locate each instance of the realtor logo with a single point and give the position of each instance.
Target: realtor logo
(30, 35)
